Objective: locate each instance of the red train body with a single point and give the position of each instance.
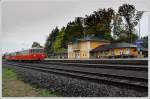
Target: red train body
(36, 54)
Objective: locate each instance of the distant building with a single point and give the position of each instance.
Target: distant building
(117, 50)
(63, 54)
(80, 49)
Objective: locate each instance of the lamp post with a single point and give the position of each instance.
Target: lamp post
(138, 42)
(139, 30)
(139, 25)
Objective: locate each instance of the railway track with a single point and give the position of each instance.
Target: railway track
(123, 74)
(102, 61)
(106, 66)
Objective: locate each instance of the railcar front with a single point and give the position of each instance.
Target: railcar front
(37, 54)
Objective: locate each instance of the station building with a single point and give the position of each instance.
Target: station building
(118, 50)
(80, 49)
(62, 54)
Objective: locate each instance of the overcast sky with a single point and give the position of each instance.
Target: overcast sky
(26, 21)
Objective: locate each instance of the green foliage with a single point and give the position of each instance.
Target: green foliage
(74, 29)
(36, 44)
(9, 73)
(131, 16)
(9, 78)
(57, 43)
(45, 93)
(117, 26)
(100, 24)
(49, 42)
(145, 41)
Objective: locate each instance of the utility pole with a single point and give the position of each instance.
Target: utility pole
(139, 38)
(140, 26)
(139, 29)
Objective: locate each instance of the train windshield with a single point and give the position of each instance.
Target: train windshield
(37, 51)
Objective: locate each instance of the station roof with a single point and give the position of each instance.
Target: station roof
(90, 38)
(113, 45)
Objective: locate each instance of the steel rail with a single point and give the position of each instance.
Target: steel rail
(107, 66)
(113, 79)
(112, 71)
(101, 61)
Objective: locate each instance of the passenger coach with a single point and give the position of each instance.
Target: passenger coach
(33, 54)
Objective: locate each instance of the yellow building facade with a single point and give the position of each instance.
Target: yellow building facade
(81, 49)
(117, 50)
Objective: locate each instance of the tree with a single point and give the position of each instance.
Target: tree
(49, 41)
(145, 41)
(131, 17)
(74, 29)
(57, 43)
(99, 23)
(117, 26)
(37, 45)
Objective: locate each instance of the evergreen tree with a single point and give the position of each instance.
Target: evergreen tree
(145, 41)
(99, 23)
(36, 44)
(131, 16)
(49, 42)
(57, 43)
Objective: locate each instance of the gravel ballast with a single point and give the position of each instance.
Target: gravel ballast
(72, 87)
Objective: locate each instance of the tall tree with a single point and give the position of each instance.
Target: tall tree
(117, 26)
(131, 16)
(99, 23)
(57, 43)
(74, 29)
(49, 41)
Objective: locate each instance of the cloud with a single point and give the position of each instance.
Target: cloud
(25, 21)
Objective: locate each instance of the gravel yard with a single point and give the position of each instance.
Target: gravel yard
(13, 87)
(72, 87)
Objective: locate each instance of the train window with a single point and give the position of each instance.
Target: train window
(17, 53)
(13, 54)
(40, 50)
(31, 51)
(37, 51)
(24, 52)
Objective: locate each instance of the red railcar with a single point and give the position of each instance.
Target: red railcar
(27, 55)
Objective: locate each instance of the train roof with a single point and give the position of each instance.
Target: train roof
(23, 50)
(36, 48)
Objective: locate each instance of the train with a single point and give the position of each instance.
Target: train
(32, 54)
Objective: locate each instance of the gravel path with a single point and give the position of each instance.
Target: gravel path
(72, 87)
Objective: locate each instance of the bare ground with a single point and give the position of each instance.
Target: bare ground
(13, 87)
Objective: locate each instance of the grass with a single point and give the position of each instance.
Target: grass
(13, 87)
(9, 74)
(45, 93)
